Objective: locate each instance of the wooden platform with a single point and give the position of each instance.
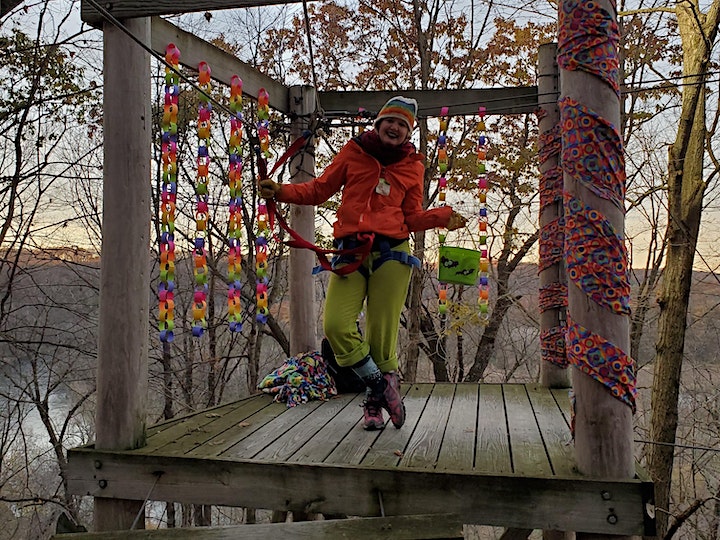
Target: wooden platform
(492, 454)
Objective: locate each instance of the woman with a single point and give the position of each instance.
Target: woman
(381, 178)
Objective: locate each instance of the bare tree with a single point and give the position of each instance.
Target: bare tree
(688, 181)
(48, 291)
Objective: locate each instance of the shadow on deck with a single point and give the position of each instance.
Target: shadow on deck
(491, 454)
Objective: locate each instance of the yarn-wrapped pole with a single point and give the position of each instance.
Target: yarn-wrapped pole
(554, 372)
(598, 338)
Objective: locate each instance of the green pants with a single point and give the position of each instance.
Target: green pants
(385, 290)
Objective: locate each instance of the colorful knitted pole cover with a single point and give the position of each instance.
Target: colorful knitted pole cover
(592, 156)
(554, 295)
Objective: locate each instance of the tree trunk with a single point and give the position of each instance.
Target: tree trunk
(686, 189)
(639, 316)
(438, 356)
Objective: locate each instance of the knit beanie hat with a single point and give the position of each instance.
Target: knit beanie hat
(399, 107)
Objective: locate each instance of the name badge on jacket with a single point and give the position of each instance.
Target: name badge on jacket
(382, 188)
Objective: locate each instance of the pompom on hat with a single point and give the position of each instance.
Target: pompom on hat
(399, 107)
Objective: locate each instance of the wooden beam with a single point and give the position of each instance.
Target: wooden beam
(592, 505)
(518, 100)
(124, 9)
(388, 528)
(194, 50)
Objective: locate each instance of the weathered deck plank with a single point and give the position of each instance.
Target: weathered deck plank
(286, 444)
(171, 429)
(265, 435)
(562, 398)
(529, 456)
(317, 449)
(493, 447)
(555, 433)
(193, 433)
(239, 428)
(424, 446)
(457, 452)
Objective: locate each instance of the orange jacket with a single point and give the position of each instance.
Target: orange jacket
(392, 208)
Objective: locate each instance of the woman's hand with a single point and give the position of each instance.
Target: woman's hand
(268, 188)
(456, 221)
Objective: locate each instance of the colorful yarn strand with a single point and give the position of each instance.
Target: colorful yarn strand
(234, 270)
(482, 180)
(200, 272)
(442, 192)
(168, 197)
(261, 239)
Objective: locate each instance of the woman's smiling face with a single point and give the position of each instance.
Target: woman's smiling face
(393, 131)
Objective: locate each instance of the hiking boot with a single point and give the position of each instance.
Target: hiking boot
(372, 413)
(392, 399)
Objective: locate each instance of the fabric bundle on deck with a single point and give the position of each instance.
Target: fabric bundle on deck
(300, 379)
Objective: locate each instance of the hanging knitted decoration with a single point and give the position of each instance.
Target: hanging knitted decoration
(484, 263)
(200, 273)
(235, 216)
(456, 265)
(442, 191)
(168, 197)
(261, 247)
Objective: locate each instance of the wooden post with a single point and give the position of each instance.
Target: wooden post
(553, 374)
(552, 273)
(303, 311)
(603, 424)
(125, 267)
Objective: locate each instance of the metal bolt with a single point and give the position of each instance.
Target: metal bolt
(606, 496)
(612, 519)
(102, 484)
(98, 464)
